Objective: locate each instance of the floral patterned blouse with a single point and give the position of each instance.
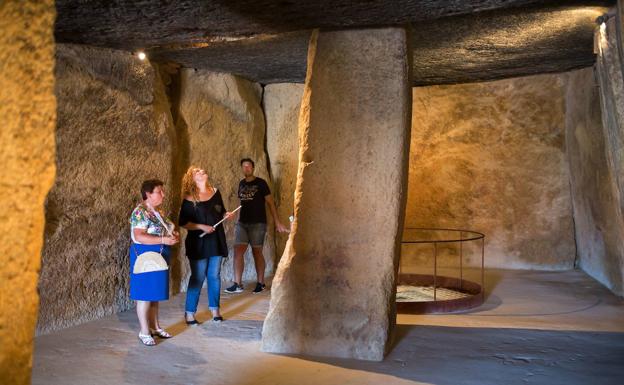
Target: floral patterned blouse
(145, 218)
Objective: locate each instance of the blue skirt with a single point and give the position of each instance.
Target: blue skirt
(152, 286)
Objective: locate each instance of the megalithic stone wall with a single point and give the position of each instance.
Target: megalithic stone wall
(28, 110)
(114, 130)
(620, 28)
(611, 83)
(610, 71)
(598, 220)
(282, 103)
(491, 157)
(334, 291)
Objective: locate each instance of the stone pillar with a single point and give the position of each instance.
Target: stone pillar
(334, 291)
(27, 106)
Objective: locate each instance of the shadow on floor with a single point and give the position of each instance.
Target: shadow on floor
(451, 356)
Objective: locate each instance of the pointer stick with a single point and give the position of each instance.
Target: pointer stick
(218, 223)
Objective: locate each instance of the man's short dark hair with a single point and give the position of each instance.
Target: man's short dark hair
(248, 160)
(149, 185)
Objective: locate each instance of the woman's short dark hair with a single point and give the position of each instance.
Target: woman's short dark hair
(149, 185)
(248, 160)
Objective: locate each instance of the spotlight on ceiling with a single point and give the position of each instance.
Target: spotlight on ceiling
(141, 55)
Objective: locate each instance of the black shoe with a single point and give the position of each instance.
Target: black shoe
(193, 321)
(259, 288)
(217, 319)
(235, 288)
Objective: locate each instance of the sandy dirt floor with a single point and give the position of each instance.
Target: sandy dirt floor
(535, 328)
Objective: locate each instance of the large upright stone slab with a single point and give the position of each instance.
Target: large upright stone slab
(114, 130)
(598, 220)
(611, 79)
(620, 21)
(27, 107)
(491, 157)
(610, 70)
(282, 103)
(220, 121)
(334, 291)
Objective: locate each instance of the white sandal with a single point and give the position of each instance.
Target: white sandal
(162, 333)
(146, 339)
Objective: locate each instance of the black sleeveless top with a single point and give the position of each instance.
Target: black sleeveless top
(207, 213)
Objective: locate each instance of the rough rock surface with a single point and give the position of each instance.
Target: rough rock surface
(264, 59)
(282, 103)
(27, 106)
(146, 23)
(221, 119)
(611, 78)
(492, 45)
(114, 130)
(610, 270)
(266, 41)
(599, 225)
(491, 157)
(504, 44)
(334, 290)
(620, 21)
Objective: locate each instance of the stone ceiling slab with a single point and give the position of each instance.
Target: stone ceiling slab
(266, 41)
(128, 24)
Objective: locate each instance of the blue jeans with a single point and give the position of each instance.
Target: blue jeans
(201, 269)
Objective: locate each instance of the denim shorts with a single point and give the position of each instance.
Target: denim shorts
(250, 233)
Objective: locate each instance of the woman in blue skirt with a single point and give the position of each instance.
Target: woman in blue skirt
(150, 230)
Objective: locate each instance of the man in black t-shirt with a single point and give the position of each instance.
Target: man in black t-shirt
(253, 193)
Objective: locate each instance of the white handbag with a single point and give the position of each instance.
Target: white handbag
(149, 261)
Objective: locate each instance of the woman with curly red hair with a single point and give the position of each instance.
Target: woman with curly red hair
(202, 207)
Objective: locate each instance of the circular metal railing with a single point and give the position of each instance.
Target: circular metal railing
(468, 293)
